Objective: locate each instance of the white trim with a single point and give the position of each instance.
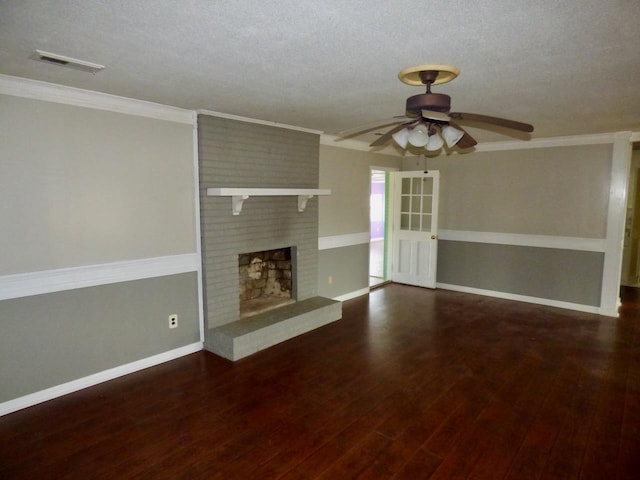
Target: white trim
(548, 142)
(49, 281)
(346, 240)
(239, 195)
(349, 296)
(616, 219)
(542, 241)
(521, 298)
(351, 144)
(265, 192)
(96, 378)
(50, 92)
(259, 122)
(196, 214)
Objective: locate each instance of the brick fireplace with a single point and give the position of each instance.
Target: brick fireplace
(236, 154)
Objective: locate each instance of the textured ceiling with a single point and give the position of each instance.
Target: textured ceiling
(569, 67)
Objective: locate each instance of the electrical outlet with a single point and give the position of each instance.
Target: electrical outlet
(173, 321)
(330, 280)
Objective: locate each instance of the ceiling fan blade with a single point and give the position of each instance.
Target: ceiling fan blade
(501, 122)
(354, 132)
(385, 138)
(467, 141)
(433, 115)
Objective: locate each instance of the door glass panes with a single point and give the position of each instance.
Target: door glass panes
(416, 187)
(426, 223)
(405, 203)
(406, 186)
(416, 202)
(427, 186)
(415, 222)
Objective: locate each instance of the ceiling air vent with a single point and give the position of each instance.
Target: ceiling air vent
(63, 61)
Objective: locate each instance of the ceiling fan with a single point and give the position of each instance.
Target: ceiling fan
(428, 121)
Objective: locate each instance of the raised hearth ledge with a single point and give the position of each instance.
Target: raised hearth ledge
(239, 195)
(245, 337)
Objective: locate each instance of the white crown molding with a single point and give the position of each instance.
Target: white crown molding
(50, 281)
(351, 144)
(548, 142)
(100, 377)
(346, 240)
(50, 92)
(259, 122)
(540, 241)
(523, 298)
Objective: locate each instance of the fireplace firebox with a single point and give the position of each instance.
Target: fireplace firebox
(266, 280)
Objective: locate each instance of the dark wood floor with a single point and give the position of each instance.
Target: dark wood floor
(411, 384)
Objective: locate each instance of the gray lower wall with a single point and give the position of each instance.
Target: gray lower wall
(48, 340)
(562, 275)
(348, 268)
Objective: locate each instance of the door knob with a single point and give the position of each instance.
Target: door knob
(433, 237)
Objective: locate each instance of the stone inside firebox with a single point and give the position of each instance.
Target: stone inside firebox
(265, 281)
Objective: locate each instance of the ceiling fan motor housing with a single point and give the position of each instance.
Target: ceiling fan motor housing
(438, 102)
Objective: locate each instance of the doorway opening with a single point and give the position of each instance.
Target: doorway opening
(378, 213)
(630, 272)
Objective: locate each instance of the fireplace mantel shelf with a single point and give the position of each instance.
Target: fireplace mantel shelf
(239, 195)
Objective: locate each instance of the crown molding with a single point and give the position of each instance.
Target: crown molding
(565, 141)
(50, 92)
(259, 122)
(548, 142)
(351, 144)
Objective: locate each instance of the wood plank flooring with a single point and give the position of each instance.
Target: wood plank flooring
(410, 384)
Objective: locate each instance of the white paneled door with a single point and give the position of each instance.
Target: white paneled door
(414, 227)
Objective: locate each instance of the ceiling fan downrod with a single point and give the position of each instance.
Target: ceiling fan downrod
(428, 77)
(437, 102)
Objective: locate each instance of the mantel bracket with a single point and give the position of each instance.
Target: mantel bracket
(302, 202)
(236, 203)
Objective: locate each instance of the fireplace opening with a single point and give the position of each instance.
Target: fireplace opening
(266, 280)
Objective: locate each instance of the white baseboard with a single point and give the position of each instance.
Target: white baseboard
(349, 296)
(522, 298)
(100, 377)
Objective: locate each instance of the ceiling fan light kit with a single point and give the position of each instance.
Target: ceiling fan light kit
(435, 143)
(402, 137)
(451, 135)
(427, 113)
(419, 136)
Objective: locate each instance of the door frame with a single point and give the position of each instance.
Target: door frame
(394, 198)
(387, 219)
